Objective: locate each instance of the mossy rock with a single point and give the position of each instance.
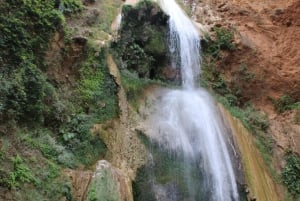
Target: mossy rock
(104, 185)
(143, 39)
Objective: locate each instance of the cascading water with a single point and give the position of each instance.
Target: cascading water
(187, 120)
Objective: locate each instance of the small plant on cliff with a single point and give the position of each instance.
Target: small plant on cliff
(297, 117)
(223, 41)
(244, 74)
(285, 103)
(291, 174)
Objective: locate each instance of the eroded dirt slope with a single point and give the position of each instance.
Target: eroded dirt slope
(267, 35)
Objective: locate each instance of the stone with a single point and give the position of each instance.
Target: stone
(244, 12)
(143, 39)
(288, 23)
(278, 11)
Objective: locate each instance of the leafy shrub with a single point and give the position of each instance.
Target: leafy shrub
(256, 120)
(42, 140)
(77, 137)
(19, 174)
(224, 38)
(291, 174)
(223, 41)
(23, 93)
(285, 103)
(137, 60)
(25, 29)
(244, 74)
(211, 78)
(70, 6)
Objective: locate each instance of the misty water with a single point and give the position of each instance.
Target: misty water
(187, 122)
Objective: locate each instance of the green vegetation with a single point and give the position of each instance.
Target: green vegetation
(32, 178)
(211, 76)
(97, 89)
(285, 103)
(78, 139)
(257, 123)
(291, 174)
(25, 29)
(45, 123)
(142, 45)
(19, 174)
(223, 41)
(244, 74)
(70, 6)
(109, 11)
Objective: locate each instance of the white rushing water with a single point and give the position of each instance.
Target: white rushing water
(187, 120)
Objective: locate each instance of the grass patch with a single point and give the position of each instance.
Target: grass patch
(134, 86)
(109, 10)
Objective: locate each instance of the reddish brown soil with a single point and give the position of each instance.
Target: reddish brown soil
(267, 35)
(271, 30)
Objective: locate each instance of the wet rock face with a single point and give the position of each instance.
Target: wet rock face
(169, 192)
(108, 183)
(143, 39)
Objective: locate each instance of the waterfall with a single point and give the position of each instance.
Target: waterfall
(187, 120)
(184, 43)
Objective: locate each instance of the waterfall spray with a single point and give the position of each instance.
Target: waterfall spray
(187, 120)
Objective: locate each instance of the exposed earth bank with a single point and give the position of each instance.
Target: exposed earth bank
(267, 36)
